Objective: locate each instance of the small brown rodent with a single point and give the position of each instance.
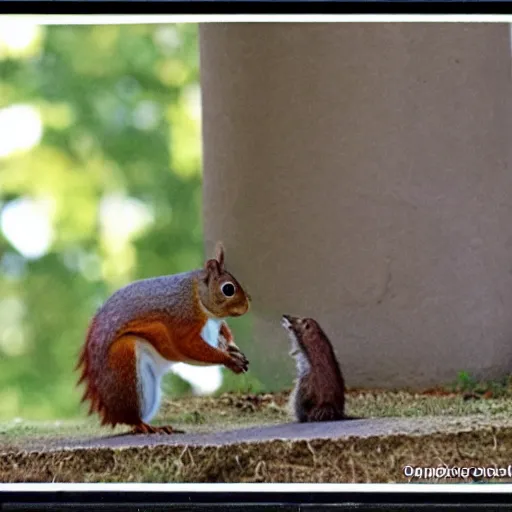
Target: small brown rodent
(319, 393)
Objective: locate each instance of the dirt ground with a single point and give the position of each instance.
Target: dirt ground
(252, 438)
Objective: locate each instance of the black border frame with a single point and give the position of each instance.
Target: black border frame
(249, 501)
(62, 499)
(263, 7)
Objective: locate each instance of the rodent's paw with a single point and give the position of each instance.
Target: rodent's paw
(233, 349)
(223, 343)
(238, 362)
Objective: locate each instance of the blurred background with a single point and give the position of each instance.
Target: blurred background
(100, 184)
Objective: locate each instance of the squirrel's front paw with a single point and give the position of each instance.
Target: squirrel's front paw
(223, 343)
(238, 362)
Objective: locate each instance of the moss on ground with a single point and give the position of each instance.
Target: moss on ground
(353, 459)
(207, 414)
(375, 459)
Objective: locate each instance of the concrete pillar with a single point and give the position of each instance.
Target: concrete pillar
(360, 174)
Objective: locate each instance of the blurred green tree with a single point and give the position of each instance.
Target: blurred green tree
(110, 187)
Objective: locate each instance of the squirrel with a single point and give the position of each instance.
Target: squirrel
(319, 392)
(144, 328)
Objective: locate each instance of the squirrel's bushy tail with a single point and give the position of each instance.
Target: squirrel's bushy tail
(89, 378)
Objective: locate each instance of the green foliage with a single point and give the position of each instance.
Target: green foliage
(244, 383)
(469, 385)
(175, 387)
(118, 124)
(465, 382)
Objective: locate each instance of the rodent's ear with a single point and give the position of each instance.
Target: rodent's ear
(212, 268)
(219, 255)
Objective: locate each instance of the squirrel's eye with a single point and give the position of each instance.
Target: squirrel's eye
(228, 289)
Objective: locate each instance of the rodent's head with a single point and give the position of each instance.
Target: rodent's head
(220, 293)
(304, 333)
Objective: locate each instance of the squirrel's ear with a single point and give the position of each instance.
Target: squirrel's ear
(212, 268)
(219, 255)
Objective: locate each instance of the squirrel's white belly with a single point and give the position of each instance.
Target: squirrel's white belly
(302, 363)
(210, 331)
(151, 367)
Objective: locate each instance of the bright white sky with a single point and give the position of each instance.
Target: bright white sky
(27, 223)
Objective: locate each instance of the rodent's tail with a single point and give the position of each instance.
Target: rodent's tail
(89, 378)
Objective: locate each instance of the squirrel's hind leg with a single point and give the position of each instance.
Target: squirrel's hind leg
(116, 397)
(129, 392)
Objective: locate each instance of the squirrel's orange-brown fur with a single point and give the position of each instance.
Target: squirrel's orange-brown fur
(168, 313)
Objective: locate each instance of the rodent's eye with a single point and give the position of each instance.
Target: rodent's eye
(228, 289)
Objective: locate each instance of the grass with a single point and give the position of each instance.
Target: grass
(471, 387)
(483, 436)
(192, 414)
(230, 410)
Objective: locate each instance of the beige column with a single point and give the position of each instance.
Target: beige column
(360, 174)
